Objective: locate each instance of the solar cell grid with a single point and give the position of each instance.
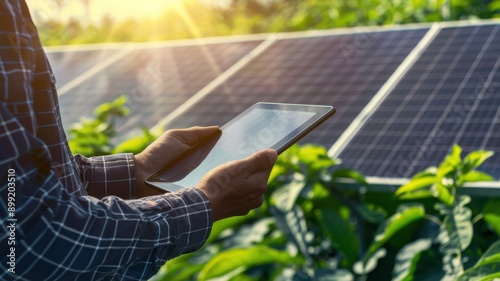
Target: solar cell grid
(67, 65)
(155, 80)
(449, 96)
(343, 70)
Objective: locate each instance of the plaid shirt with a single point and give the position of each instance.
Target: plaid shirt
(56, 228)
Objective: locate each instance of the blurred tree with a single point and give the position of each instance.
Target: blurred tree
(59, 6)
(86, 6)
(203, 18)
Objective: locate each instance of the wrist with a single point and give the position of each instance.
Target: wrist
(142, 189)
(213, 200)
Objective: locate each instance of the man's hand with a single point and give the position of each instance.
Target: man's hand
(164, 150)
(235, 188)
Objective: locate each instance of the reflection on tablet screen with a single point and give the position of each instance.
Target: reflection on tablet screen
(259, 129)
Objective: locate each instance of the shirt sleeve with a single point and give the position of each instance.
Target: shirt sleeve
(60, 236)
(108, 175)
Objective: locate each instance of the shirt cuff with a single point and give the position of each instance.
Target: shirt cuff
(189, 218)
(110, 175)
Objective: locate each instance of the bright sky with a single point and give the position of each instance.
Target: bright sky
(119, 9)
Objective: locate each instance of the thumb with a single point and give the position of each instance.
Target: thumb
(261, 160)
(192, 135)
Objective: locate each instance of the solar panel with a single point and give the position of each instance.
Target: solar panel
(67, 65)
(155, 80)
(450, 95)
(340, 70)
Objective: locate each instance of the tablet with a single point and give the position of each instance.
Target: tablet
(261, 126)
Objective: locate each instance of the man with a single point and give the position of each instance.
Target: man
(66, 217)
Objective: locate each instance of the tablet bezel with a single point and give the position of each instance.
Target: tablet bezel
(322, 113)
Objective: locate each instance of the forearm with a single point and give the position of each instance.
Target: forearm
(63, 237)
(109, 175)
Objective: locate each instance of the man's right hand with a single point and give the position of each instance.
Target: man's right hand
(235, 188)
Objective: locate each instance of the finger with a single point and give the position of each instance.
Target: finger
(261, 160)
(257, 202)
(193, 135)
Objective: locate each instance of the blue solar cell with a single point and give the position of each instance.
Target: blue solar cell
(69, 64)
(340, 70)
(155, 80)
(450, 95)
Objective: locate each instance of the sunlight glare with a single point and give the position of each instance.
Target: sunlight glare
(118, 9)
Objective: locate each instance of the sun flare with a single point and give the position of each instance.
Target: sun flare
(118, 9)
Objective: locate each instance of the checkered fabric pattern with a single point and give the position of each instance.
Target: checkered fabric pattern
(75, 218)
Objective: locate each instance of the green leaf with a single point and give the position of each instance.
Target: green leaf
(454, 159)
(494, 6)
(418, 194)
(228, 223)
(349, 173)
(492, 255)
(291, 274)
(429, 172)
(133, 145)
(407, 258)
(242, 277)
(341, 233)
(475, 159)
(405, 215)
(249, 234)
(487, 267)
(442, 193)
(475, 176)
(115, 108)
(416, 184)
(457, 223)
(277, 171)
(444, 170)
(492, 214)
(455, 235)
(452, 262)
(315, 157)
(328, 274)
(285, 197)
(232, 259)
(369, 263)
(136, 144)
(178, 269)
(294, 225)
(492, 277)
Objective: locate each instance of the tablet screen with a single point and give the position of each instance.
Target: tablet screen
(257, 128)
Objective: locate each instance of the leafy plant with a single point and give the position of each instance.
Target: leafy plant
(311, 228)
(455, 222)
(92, 136)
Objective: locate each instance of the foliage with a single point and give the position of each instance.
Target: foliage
(92, 136)
(313, 228)
(201, 18)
